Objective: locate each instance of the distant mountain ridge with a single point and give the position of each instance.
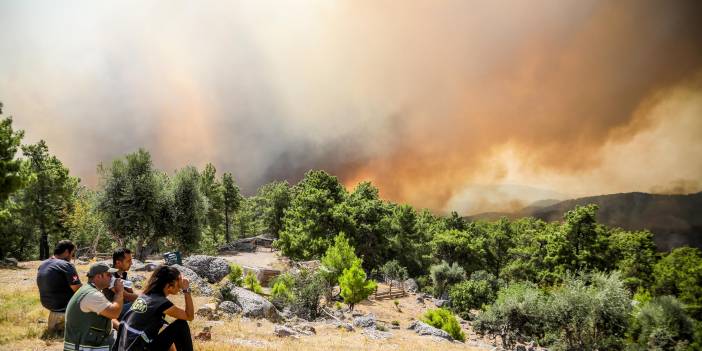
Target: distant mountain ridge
(675, 220)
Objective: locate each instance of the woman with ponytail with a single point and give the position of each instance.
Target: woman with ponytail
(139, 329)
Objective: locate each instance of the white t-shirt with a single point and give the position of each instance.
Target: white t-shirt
(94, 302)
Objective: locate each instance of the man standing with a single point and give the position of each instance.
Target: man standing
(57, 280)
(89, 314)
(122, 261)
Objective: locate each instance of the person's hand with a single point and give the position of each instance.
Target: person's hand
(119, 286)
(184, 282)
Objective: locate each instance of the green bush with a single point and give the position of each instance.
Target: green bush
(281, 293)
(471, 294)
(251, 283)
(590, 312)
(446, 321)
(236, 274)
(519, 313)
(661, 324)
(354, 286)
(443, 276)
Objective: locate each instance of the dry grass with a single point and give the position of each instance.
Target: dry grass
(23, 323)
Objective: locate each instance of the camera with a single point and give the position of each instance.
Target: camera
(126, 283)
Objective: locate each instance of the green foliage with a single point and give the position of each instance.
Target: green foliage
(636, 256)
(407, 243)
(231, 199)
(661, 324)
(317, 213)
(443, 276)
(590, 315)
(581, 314)
(354, 286)
(519, 313)
(393, 271)
(276, 198)
(85, 223)
(251, 283)
(338, 258)
(480, 290)
(188, 210)
(306, 289)
(135, 203)
(680, 273)
(446, 321)
(47, 199)
(213, 206)
(281, 294)
(371, 217)
(236, 274)
(10, 177)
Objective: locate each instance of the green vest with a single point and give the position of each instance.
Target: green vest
(85, 331)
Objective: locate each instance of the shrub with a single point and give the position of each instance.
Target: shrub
(395, 322)
(392, 272)
(281, 293)
(251, 283)
(446, 321)
(661, 324)
(444, 275)
(590, 312)
(519, 313)
(354, 286)
(337, 258)
(236, 274)
(471, 294)
(307, 288)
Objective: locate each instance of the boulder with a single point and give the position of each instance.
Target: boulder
(367, 321)
(198, 284)
(146, 267)
(422, 328)
(252, 305)
(441, 303)
(283, 331)
(411, 285)
(211, 268)
(229, 307)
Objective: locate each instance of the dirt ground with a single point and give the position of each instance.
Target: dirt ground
(23, 321)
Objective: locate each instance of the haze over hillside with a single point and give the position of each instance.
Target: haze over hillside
(676, 220)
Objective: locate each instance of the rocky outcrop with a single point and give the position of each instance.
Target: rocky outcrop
(367, 321)
(213, 269)
(252, 305)
(410, 285)
(198, 284)
(422, 328)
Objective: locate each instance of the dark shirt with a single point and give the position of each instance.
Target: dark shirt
(54, 279)
(146, 315)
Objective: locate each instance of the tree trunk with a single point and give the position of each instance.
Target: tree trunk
(43, 242)
(140, 249)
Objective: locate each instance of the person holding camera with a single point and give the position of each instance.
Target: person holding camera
(89, 313)
(141, 327)
(122, 261)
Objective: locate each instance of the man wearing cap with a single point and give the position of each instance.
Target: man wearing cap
(89, 314)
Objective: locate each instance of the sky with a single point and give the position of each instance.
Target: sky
(466, 106)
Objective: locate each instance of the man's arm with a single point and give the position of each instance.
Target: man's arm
(115, 308)
(72, 277)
